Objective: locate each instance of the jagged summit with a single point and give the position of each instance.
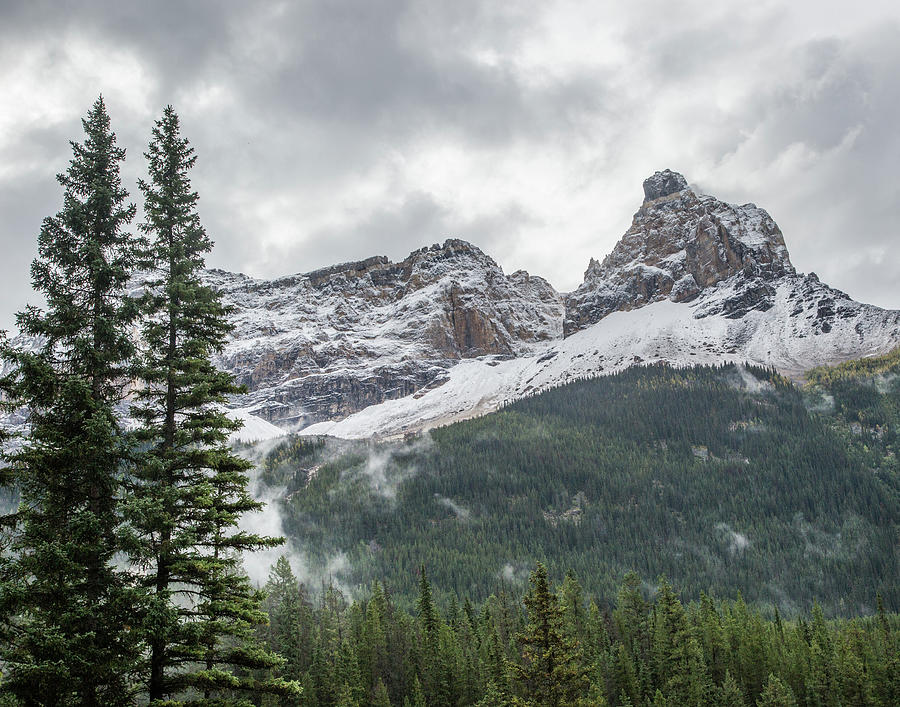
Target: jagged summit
(679, 245)
(664, 183)
(451, 248)
(332, 341)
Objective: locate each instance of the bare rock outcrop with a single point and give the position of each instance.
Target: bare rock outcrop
(680, 244)
(324, 344)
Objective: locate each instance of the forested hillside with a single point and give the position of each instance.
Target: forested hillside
(724, 479)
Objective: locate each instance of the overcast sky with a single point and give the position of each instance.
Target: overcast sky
(333, 130)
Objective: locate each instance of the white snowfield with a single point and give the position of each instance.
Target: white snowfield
(255, 429)
(664, 331)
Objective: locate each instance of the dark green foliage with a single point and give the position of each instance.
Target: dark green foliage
(189, 489)
(856, 370)
(684, 472)
(654, 651)
(70, 605)
(776, 694)
(290, 630)
(549, 672)
(729, 693)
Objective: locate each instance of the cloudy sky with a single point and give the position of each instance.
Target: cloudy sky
(331, 130)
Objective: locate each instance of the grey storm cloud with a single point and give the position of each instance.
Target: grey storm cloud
(334, 130)
(419, 213)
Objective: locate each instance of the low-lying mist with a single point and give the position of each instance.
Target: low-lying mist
(382, 468)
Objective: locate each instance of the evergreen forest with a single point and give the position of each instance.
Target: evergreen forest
(724, 479)
(552, 646)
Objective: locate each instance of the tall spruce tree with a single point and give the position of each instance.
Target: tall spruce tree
(70, 604)
(433, 673)
(550, 672)
(290, 630)
(190, 489)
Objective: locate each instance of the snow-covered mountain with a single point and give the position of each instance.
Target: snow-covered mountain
(375, 347)
(324, 345)
(381, 348)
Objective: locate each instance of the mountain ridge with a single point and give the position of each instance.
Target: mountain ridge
(375, 347)
(444, 333)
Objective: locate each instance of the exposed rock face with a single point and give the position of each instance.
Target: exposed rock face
(680, 244)
(365, 335)
(662, 184)
(330, 342)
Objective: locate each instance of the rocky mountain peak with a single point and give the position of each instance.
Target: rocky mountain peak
(679, 245)
(662, 184)
(337, 339)
(376, 346)
(443, 258)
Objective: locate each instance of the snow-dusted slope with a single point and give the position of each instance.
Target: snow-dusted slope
(788, 336)
(380, 348)
(254, 428)
(376, 347)
(328, 343)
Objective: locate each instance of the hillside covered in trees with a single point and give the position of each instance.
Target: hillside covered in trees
(724, 479)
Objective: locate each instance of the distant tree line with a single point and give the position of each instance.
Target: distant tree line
(555, 647)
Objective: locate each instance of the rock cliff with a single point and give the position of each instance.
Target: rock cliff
(444, 334)
(679, 245)
(328, 343)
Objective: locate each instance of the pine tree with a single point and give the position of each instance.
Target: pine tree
(73, 606)
(715, 645)
(494, 661)
(494, 697)
(678, 657)
(434, 676)
(887, 674)
(624, 678)
(190, 489)
(729, 693)
(821, 687)
(571, 598)
(380, 695)
(776, 694)
(290, 621)
(550, 672)
(631, 618)
(425, 605)
(373, 650)
(346, 698)
(347, 670)
(418, 697)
